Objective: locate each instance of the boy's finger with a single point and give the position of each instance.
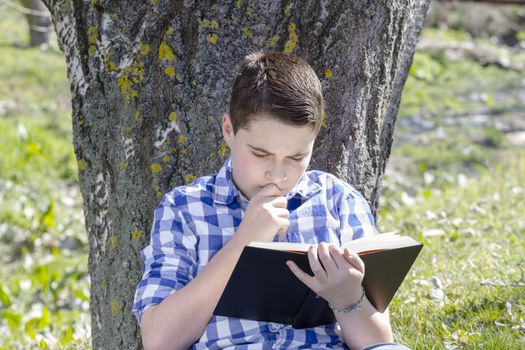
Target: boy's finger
(354, 259)
(282, 232)
(283, 224)
(282, 212)
(326, 259)
(339, 258)
(279, 202)
(301, 275)
(315, 263)
(270, 190)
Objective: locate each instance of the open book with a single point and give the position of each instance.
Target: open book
(262, 287)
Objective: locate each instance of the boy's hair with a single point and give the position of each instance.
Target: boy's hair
(280, 85)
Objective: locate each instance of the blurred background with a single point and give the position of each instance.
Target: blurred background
(455, 181)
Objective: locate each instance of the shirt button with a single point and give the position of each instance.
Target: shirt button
(274, 327)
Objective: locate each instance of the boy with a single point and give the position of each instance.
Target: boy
(262, 193)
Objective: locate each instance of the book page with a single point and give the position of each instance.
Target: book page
(383, 241)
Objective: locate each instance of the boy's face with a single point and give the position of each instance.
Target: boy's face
(268, 151)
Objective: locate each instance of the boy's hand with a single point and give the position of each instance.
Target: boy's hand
(338, 274)
(265, 216)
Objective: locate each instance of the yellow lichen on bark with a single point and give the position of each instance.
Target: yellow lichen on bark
(115, 308)
(173, 117)
(169, 71)
(130, 75)
(137, 71)
(189, 178)
(272, 41)
(292, 39)
(125, 86)
(155, 168)
(212, 38)
(110, 66)
(136, 235)
(223, 150)
(246, 31)
(144, 49)
(209, 24)
(92, 35)
(158, 191)
(114, 242)
(82, 164)
(165, 52)
(92, 39)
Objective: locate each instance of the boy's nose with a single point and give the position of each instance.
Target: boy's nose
(276, 175)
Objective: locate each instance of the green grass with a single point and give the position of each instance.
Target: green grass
(459, 177)
(451, 114)
(439, 87)
(450, 35)
(480, 259)
(32, 79)
(30, 145)
(44, 284)
(463, 180)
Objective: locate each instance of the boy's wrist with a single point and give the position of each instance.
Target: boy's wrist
(240, 239)
(347, 310)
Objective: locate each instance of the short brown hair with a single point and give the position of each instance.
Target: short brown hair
(280, 85)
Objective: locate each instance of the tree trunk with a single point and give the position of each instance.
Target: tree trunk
(150, 81)
(39, 20)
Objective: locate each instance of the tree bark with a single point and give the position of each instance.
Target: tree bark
(151, 79)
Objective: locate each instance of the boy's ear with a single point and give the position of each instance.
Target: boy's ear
(227, 128)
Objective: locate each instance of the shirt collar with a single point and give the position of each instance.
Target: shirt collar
(226, 191)
(305, 188)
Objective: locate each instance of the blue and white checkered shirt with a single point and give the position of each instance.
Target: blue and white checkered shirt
(193, 222)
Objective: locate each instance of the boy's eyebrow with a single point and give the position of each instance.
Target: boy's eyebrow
(262, 150)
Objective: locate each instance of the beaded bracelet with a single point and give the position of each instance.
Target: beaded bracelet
(352, 307)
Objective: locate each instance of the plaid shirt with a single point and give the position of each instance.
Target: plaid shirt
(193, 222)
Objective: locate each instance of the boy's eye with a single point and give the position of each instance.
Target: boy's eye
(297, 159)
(260, 155)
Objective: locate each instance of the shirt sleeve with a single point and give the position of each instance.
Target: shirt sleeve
(355, 217)
(170, 260)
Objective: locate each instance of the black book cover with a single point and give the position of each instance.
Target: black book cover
(263, 288)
